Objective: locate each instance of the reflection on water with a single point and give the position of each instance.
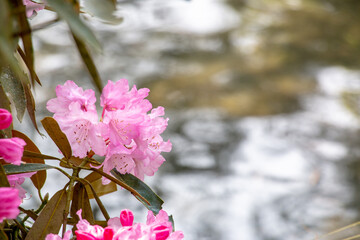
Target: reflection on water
(262, 146)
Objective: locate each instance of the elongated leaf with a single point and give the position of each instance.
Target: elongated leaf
(24, 168)
(59, 138)
(30, 106)
(74, 161)
(23, 56)
(3, 235)
(29, 154)
(13, 86)
(81, 201)
(50, 218)
(3, 179)
(103, 9)
(25, 30)
(144, 190)
(100, 189)
(66, 12)
(39, 178)
(89, 63)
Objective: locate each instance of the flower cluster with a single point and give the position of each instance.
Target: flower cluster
(11, 151)
(156, 228)
(128, 133)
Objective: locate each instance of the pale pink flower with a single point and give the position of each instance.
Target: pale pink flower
(32, 8)
(67, 96)
(118, 97)
(5, 118)
(11, 150)
(83, 136)
(16, 180)
(76, 114)
(57, 237)
(9, 203)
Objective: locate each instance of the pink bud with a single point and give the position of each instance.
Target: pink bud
(162, 232)
(108, 233)
(126, 218)
(5, 118)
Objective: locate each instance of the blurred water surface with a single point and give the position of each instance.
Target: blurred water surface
(263, 147)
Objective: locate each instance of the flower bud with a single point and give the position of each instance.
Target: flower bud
(5, 118)
(126, 218)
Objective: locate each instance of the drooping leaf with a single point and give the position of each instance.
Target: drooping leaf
(144, 190)
(3, 179)
(25, 34)
(25, 168)
(59, 138)
(81, 201)
(23, 56)
(30, 106)
(39, 178)
(13, 86)
(66, 12)
(104, 10)
(100, 189)
(29, 154)
(89, 63)
(50, 218)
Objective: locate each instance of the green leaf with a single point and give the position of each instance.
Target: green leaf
(89, 63)
(25, 34)
(67, 12)
(59, 138)
(103, 9)
(39, 178)
(144, 190)
(29, 154)
(3, 179)
(50, 218)
(25, 168)
(14, 87)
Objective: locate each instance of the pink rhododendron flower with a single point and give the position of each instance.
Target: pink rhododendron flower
(9, 203)
(88, 232)
(57, 237)
(127, 134)
(11, 150)
(5, 118)
(32, 8)
(123, 228)
(16, 180)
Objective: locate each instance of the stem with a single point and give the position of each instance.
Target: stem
(23, 230)
(69, 193)
(97, 199)
(122, 184)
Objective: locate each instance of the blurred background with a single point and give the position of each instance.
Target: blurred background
(262, 97)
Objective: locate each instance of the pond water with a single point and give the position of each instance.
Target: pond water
(263, 146)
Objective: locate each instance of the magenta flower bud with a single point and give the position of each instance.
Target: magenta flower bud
(5, 118)
(108, 233)
(162, 232)
(126, 218)
(12, 149)
(9, 203)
